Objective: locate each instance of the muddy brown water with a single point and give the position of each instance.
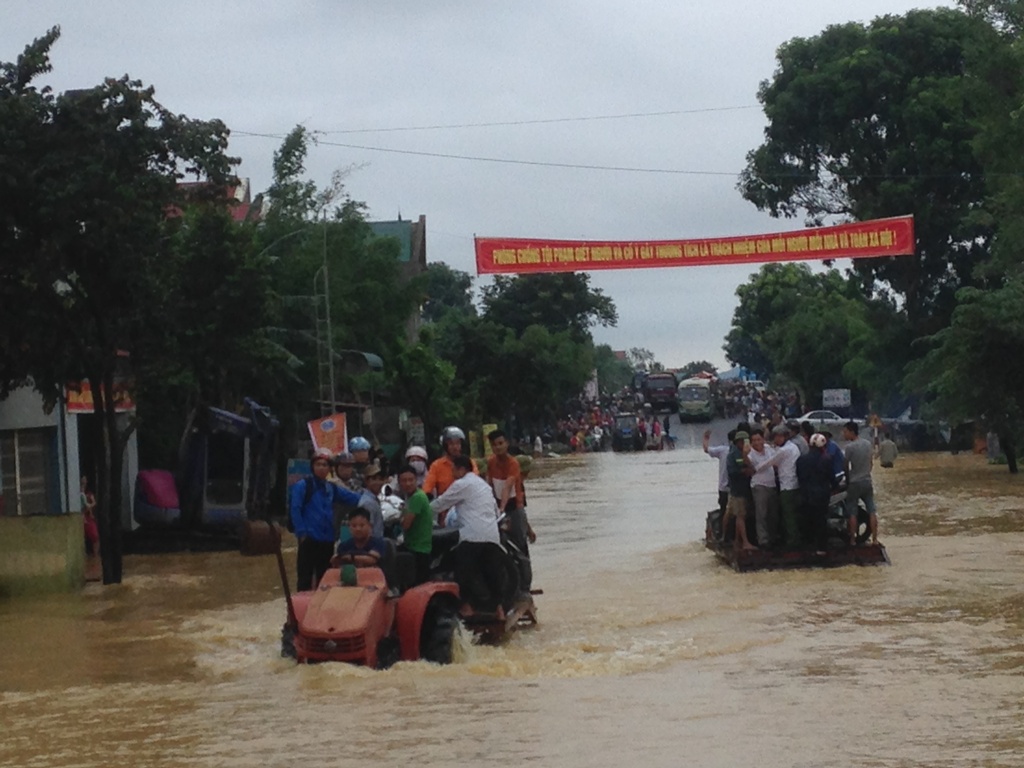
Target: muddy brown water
(649, 652)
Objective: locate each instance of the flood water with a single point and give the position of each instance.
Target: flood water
(649, 651)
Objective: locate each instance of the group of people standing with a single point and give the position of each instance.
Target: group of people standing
(336, 515)
(785, 479)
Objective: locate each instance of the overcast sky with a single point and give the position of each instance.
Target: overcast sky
(262, 67)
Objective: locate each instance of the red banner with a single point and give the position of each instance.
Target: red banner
(860, 240)
(78, 397)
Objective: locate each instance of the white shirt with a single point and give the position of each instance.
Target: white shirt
(721, 452)
(478, 512)
(764, 470)
(784, 460)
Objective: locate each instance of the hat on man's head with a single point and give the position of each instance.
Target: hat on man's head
(322, 453)
(741, 435)
(372, 470)
(344, 458)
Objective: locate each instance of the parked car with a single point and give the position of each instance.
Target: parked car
(829, 420)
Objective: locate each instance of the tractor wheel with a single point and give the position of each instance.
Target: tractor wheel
(438, 634)
(389, 652)
(288, 642)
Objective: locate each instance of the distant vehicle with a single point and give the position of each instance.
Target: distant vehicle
(695, 399)
(225, 473)
(659, 389)
(625, 434)
(829, 420)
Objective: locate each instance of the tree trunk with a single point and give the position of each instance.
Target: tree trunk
(108, 481)
(1006, 442)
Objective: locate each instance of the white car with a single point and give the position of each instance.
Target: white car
(829, 420)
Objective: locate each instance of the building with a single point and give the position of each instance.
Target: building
(43, 454)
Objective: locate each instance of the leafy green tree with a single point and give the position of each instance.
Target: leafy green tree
(767, 300)
(818, 330)
(974, 368)
(880, 120)
(88, 177)
(446, 289)
(612, 373)
(642, 359)
(559, 302)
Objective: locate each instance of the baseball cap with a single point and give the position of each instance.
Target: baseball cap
(741, 435)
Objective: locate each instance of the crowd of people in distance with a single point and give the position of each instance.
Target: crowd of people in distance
(337, 516)
(782, 477)
(751, 401)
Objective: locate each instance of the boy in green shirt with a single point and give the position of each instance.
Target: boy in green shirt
(417, 522)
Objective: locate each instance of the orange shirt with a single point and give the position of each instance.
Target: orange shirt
(507, 468)
(441, 475)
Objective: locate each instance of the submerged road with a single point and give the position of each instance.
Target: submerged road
(649, 652)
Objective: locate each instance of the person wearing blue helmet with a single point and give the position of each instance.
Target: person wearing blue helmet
(359, 447)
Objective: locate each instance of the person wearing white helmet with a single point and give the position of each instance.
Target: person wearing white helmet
(817, 481)
(441, 474)
(416, 457)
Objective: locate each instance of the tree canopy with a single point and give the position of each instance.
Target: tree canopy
(88, 178)
(559, 302)
(877, 120)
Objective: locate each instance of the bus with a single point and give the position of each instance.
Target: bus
(696, 399)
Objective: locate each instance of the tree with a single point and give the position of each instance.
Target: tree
(642, 359)
(974, 368)
(446, 290)
(818, 330)
(559, 302)
(695, 367)
(880, 120)
(613, 373)
(88, 177)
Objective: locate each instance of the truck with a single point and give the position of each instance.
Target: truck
(695, 399)
(659, 390)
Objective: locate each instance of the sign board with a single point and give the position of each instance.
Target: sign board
(329, 432)
(78, 397)
(835, 398)
(857, 240)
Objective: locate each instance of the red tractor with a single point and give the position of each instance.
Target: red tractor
(353, 617)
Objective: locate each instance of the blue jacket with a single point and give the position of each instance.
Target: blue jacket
(317, 519)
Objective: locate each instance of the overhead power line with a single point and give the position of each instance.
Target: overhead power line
(503, 160)
(546, 121)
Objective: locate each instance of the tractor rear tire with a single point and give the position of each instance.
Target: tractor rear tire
(288, 642)
(438, 634)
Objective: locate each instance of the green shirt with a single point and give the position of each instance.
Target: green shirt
(419, 534)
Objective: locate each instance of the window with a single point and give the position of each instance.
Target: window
(28, 472)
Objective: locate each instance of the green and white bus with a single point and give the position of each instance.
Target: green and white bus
(696, 399)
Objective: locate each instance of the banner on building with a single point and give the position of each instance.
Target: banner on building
(329, 432)
(78, 397)
(859, 240)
